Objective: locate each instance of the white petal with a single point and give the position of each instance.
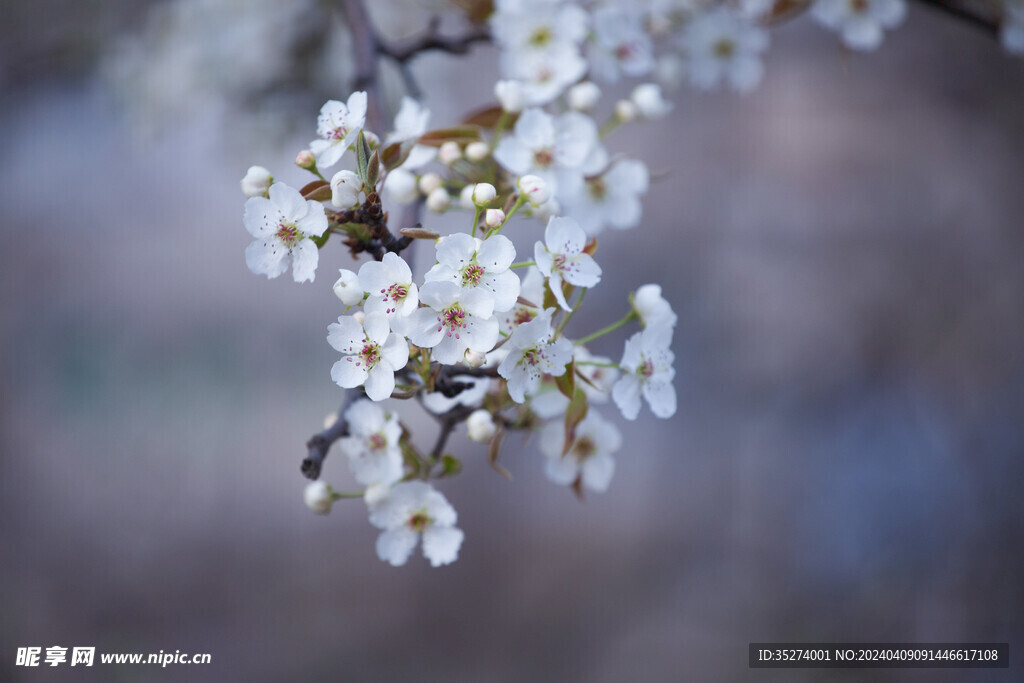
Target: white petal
(315, 221)
(261, 217)
(346, 335)
(597, 471)
(347, 375)
(265, 257)
(626, 394)
(396, 267)
(561, 470)
(288, 200)
(496, 253)
(480, 335)
(563, 235)
(456, 250)
(504, 289)
(377, 327)
(330, 154)
(424, 329)
(544, 260)
(477, 303)
(380, 382)
(441, 544)
(373, 277)
(661, 397)
(535, 128)
(555, 284)
(439, 295)
(395, 545)
(514, 156)
(395, 352)
(305, 257)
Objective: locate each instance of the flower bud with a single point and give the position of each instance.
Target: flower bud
(583, 96)
(477, 151)
(305, 159)
(625, 111)
(648, 100)
(345, 188)
(510, 95)
(400, 185)
(372, 139)
(449, 153)
(494, 217)
(474, 359)
(257, 182)
(318, 497)
(483, 193)
(430, 182)
(347, 288)
(466, 198)
(360, 317)
(652, 308)
(438, 200)
(480, 426)
(534, 188)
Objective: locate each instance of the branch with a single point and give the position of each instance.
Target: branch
(967, 12)
(433, 40)
(320, 444)
(365, 48)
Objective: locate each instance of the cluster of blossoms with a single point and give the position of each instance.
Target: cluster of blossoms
(481, 338)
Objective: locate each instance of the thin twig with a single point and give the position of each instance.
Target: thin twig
(320, 444)
(433, 40)
(966, 12)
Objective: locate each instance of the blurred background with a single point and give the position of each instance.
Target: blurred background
(844, 248)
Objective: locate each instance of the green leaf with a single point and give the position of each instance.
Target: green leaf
(459, 134)
(318, 191)
(566, 382)
(373, 172)
(450, 465)
(395, 154)
(574, 414)
(362, 157)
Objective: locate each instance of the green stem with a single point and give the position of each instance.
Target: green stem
(476, 220)
(336, 495)
(605, 330)
(515, 207)
(608, 126)
(575, 307)
(595, 364)
(524, 264)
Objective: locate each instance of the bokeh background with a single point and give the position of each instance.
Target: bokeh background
(844, 248)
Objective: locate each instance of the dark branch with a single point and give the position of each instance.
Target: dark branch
(320, 444)
(433, 40)
(968, 12)
(365, 48)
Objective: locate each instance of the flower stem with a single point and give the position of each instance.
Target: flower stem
(595, 364)
(336, 495)
(515, 207)
(605, 330)
(476, 220)
(524, 264)
(575, 307)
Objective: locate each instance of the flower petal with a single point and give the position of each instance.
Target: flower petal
(395, 545)
(441, 544)
(348, 373)
(305, 257)
(380, 382)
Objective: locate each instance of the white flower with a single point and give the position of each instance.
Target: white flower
(553, 148)
(372, 447)
(438, 200)
(611, 198)
(457, 319)
(430, 182)
(583, 96)
(480, 426)
(477, 265)
(371, 354)
(510, 95)
(722, 45)
(345, 189)
(652, 308)
(648, 100)
(535, 188)
(410, 122)
(283, 226)
(531, 355)
(621, 45)
(1012, 31)
(860, 22)
(494, 217)
(338, 126)
(532, 291)
(392, 291)
(317, 497)
(538, 26)
(412, 509)
(545, 76)
(400, 186)
(256, 182)
(478, 151)
(589, 457)
(560, 257)
(483, 193)
(647, 370)
(347, 288)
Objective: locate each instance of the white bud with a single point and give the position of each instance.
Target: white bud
(430, 182)
(449, 153)
(318, 497)
(360, 317)
(494, 217)
(625, 111)
(305, 159)
(480, 425)
(477, 151)
(438, 200)
(534, 188)
(510, 95)
(257, 182)
(347, 288)
(466, 198)
(648, 100)
(474, 359)
(483, 193)
(652, 307)
(583, 96)
(400, 185)
(345, 188)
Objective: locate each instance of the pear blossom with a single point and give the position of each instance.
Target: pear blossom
(478, 265)
(466, 198)
(408, 511)
(1011, 33)
(480, 426)
(338, 126)
(860, 22)
(560, 257)
(438, 200)
(476, 389)
(542, 77)
(647, 370)
(652, 308)
(621, 45)
(317, 497)
(410, 122)
(722, 45)
(283, 226)
(589, 457)
(649, 101)
(347, 288)
(400, 186)
(534, 188)
(456, 319)
(256, 182)
(372, 448)
(610, 199)
(529, 304)
(552, 148)
(371, 353)
(510, 95)
(532, 354)
(478, 151)
(538, 26)
(345, 189)
(391, 289)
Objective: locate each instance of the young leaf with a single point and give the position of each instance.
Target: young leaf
(494, 449)
(566, 382)
(318, 190)
(362, 158)
(574, 414)
(373, 172)
(459, 134)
